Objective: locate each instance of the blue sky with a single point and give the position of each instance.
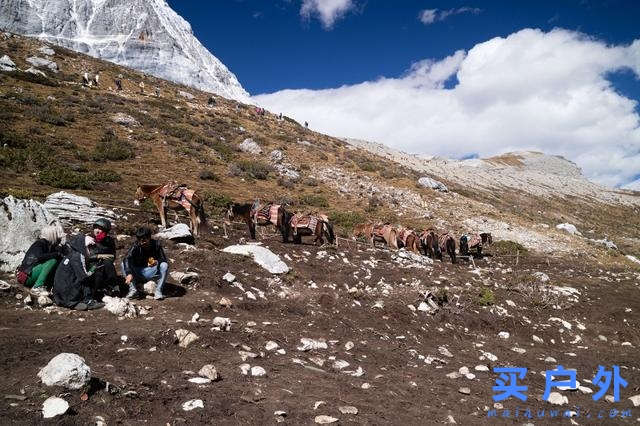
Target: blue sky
(269, 46)
(452, 78)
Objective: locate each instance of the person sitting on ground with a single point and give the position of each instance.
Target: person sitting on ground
(102, 256)
(74, 283)
(145, 261)
(41, 259)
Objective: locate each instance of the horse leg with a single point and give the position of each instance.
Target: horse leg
(252, 229)
(194, 221)
(162, 212)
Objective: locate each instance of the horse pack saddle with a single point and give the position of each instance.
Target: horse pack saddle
(299, 221)
(267, 213)
(381, 229)
(443, 241)
(178, 193)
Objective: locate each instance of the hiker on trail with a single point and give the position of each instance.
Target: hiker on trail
(119, 82)
(157, 92)
(306, 124)
(280, 116)
(85, 79)
(96, 79)
(74, 282)
(141, 86)
(40, 260)
(145, 261)
(211, 101)
(102, 256)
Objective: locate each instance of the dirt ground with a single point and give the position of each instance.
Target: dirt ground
(322, 298)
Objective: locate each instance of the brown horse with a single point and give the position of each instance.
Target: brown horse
(317, 225)
(448, 245)
(259, 215)
(408, 239)
(380, 232)
(175, 197)
(429, 244)
(476, 241)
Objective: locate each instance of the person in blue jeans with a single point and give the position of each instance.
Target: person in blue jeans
(145, 261)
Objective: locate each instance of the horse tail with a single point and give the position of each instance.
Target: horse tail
(284, 218)
(451, 249)
(329, 228)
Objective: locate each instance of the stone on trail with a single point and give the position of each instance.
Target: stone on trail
(185, 337)
(271, 345)
(348, 409)
(149, 288)
(257, 371)
(6, 64)
(444, 351)
(54, 406)
(427, 182)
(209, 371)
(44, 301)
(635, 400)
(120, 307)
(192, 404)
(250, 146)
(503, 335)
(324, 420)
(20, 225)
(184, 277)
(225, 302)
(262, 256)
(307, 344)
(73, 208)
(465, 391)
(229, 277)
(66, 370)
(200, 380)
(179, 231)
(557, 398)
(244, 368)
(222, 324)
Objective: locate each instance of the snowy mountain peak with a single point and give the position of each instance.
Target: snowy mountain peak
(146, 35)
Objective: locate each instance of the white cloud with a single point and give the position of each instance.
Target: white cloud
(529, 91)
(327, 11)
(429, 16)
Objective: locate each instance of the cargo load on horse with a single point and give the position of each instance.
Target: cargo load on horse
(380, 232)
(448, 245)
(258, 215)
(316, 225)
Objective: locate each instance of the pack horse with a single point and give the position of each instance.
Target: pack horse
(175, 197)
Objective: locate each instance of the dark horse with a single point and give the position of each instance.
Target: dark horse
(270, 214)
(448, 245)
(476, 241)
(429, 244)
(316, 225)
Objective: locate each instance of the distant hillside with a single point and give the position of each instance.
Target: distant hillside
(102, 143)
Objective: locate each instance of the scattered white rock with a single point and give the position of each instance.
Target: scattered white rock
(54, 406)
(557, 398)
(323, 420)
(124, 120)
(46, 50)
(184, 277)
(348, 346)
(271, 345)
(481, 368)
(541, 276)
(200, 380)
(537, 339)
(43, 63)
(120, 307)
(229, 277)
(503, 335)
(186, 95)
(221, 323)
(257, 371)
(192, 404)
(428, 182)
(307, 344)
(6, 64)
(348, 409)
(185, 337)
(635, 400)
(444, 351)
(465, 391)
(245, 368)
(67, 370)
(567, 227)
(209, 371)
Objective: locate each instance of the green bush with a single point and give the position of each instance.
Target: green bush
(486, 297)
(105, 176)
(33, 78)
(346, 220)
(209, 175)
(225, 152)
(313, 200)
(111, 148)
(216, 202)
(64, 178)
(367, 165)
(47, 114)
(251, 169)
(507, 247)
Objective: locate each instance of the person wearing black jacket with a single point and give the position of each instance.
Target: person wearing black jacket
(73, 284)
(41, 259)
(144, 261)
(102, 255)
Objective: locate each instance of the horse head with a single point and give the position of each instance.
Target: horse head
(228, 215)
(140, 196)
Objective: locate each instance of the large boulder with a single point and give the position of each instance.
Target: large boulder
(178, 232)
(250, 146)
(73, 208)
(66, 370)
(569, 228)
(54, 406)
(427, 182)
(20, 225)
(262, 256)
(42, 63)
(6, 64)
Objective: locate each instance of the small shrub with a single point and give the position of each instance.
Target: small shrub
(251, 169)
(47, 114)
(64, 178)
(389, 173)
(215, 201)
(313, 200)
(209, 175)
(507, 247)
(33, 78)
(486, 297)
(346, 220)
(286, 183)
(111, 148)
(105, 176)
(367, 165)
(310, 182)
